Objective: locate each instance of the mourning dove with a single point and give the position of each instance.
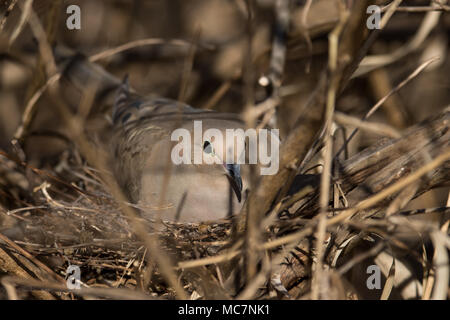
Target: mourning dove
(142, 147)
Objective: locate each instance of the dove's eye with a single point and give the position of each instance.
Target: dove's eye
(207, 147)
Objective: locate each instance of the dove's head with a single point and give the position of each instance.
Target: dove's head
(222, 148)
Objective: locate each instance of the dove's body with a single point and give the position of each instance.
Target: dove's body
(141, 144)
(142, 159)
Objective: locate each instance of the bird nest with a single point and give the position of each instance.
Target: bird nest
(66, 216)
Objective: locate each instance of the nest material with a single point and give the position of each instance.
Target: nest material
(91, 231)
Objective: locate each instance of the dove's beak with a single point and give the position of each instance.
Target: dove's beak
(234, 176)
